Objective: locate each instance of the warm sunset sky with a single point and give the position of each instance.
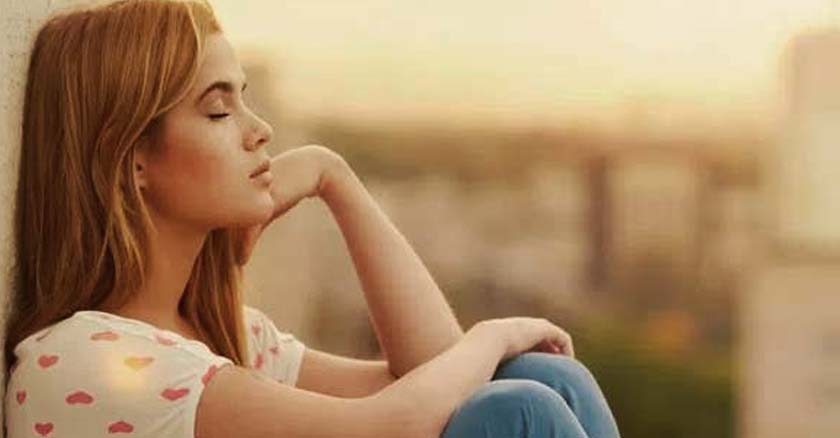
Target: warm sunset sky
(714, 59)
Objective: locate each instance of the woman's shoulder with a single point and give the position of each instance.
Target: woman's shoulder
(100, 347)
(92, 330)
(108, 373)
(274, 352)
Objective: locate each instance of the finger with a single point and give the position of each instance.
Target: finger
(565, 343)
(568, 349)
(550, 346)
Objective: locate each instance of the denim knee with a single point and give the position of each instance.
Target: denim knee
(514, 407)
(568, 376)
(507, 398)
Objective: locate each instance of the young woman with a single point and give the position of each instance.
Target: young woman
(144, 185)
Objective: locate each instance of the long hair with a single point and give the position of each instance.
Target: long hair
(99, 80)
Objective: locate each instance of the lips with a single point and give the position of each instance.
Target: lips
(265, 165)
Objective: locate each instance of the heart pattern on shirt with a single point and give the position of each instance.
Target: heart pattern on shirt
(79, 397)
(138, 362)
(211, 370)
(105, 336)
(173, 394)
(47, 360)
(164, 341)
(120, 426)
(43, 428)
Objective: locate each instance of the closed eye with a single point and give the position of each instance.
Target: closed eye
(218, 116)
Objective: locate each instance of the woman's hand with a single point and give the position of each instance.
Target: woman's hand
(297, 174)
(523, 334)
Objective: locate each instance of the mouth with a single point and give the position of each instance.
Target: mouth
(264, 166)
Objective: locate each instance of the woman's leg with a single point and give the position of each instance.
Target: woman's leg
(572, 380)
(513, 408)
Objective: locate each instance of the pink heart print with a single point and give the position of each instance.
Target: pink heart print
(105, 336)
(21, 396)
(46, 361)
(173, 394)
(43, 428)
(79, 397)
(120, 426)
(209, 374)
(137, 362)
(164, 341)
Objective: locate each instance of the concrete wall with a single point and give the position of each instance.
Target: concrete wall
(19, 20)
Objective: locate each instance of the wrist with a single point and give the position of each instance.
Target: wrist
(483, 333)
(335, 174)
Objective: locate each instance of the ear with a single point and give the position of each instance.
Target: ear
(141, 165)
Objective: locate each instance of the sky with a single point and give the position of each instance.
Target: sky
(712, 60)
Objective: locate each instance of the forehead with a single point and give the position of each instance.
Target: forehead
(220, 63)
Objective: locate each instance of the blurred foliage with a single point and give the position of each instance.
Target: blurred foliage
(654, 394)
(656, 387)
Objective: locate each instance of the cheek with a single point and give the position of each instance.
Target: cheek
(198, 178)
(195, 161)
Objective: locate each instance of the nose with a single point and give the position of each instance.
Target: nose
(260, 133)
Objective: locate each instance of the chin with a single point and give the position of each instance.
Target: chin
(266, 208)
(254, 210)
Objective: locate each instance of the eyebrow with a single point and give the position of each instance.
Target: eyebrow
(225, 86)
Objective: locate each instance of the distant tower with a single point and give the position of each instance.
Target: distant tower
(804, 167)
(789, 324)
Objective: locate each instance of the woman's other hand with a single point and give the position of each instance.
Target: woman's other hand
(522, 334)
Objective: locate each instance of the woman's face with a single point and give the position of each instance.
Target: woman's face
(198, 172)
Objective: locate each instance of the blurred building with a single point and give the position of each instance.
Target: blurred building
(732, 244)
(789, 350)
(526, 239)
(654, 213)
(805, 199)
(560, 204)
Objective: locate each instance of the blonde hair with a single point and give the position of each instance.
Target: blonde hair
(99, 80)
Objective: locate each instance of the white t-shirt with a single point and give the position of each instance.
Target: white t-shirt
(97, 374)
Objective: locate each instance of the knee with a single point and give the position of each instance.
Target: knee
(535, 364)
(514, 407)
(572, 370)
(565, 374)
(513, 398)
(573, 380)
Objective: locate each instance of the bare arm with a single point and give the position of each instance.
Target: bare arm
(341, 376)
(239, 402)
(410, 315)
(442, 384)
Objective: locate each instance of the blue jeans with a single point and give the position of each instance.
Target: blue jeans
(535, 395)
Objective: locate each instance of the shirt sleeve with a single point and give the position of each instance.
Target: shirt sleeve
(96, 381)
(273, 352)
